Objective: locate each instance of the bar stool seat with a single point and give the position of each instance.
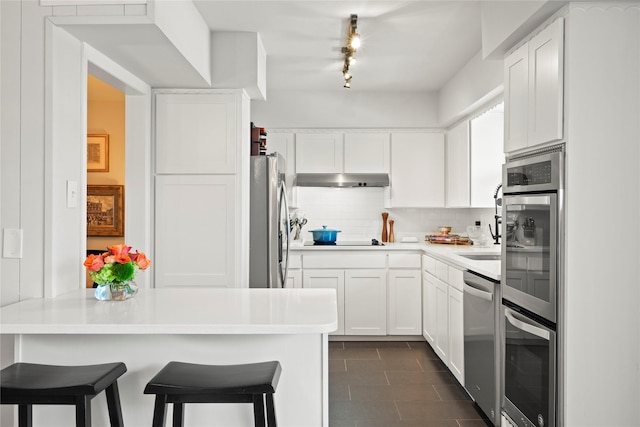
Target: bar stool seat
(27, 384)
(179, 383)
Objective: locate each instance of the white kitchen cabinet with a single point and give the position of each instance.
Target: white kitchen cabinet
(534, 85)
(417, 170)
(443, 313)
(196, 133)
(474, 159)
(441, 337)
(365, 302)
(200, 197)
(405, 308)
(429, 308)
(283, 144)
(319, 152)
(487, 156)
(456, 334)
(294, 273)
(328, 279)
(202, 206)
(294, 279)
(458, 166)
(367, 152)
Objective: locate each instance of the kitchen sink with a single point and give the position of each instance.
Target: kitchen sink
(482, 257)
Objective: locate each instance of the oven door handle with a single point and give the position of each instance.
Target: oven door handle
(527, 327)
(487, 296)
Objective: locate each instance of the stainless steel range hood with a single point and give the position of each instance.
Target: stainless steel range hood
(342, 180)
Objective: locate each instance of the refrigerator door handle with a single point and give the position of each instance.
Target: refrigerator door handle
(283, 199)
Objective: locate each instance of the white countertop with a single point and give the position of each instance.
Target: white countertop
(177, 311)
(449, 254)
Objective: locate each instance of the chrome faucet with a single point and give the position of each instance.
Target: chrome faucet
(498, 218)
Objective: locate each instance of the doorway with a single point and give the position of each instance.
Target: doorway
(122, 103)
(106, 147)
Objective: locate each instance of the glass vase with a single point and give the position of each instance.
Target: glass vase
(116, 291)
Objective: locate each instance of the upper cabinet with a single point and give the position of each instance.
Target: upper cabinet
(534, 77)
(417, 169)
(342, 152)
(196, 133)
(283, 144)
(319, 153)
(458, 166)
(366, 152)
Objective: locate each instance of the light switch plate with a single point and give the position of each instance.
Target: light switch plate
(72, 194)
(12, 243)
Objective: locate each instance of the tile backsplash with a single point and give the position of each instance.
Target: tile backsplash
(357, 212)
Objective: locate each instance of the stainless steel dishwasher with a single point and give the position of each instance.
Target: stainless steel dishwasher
(481, 343)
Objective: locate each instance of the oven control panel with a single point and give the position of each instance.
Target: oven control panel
(529, 174)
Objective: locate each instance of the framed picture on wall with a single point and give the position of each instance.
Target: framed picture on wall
(98, 153)
(105, 210)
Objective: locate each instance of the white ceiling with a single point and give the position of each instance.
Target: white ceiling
(407, 45)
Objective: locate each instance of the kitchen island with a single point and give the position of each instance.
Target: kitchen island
(209, 326)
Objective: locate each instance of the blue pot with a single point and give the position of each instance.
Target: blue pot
(324, 235)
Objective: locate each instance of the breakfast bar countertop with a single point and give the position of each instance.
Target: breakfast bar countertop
(177, 311)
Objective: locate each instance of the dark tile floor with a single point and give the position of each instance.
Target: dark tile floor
(395, 384)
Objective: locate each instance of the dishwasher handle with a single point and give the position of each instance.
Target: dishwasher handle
(487, 296)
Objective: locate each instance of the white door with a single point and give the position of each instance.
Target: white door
(516, 99)
(328, 279)
(442, 321)
(319, 153)
(366, 152)
(546, 77)
(195, 205)
(456, 334)
(429, 310)
(365, 302)
(405, 308)
(417, 170)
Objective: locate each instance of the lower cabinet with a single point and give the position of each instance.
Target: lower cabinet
(429, 308)
(294, 273)
(378, 293)
(456, 334)
(441, 342)
(328, 279)
(365, 302)
(362, 298)
(404, 302)
(443, 313)
(294, 279)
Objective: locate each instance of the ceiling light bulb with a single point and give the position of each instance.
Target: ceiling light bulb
(352, 60)
(347, 76)
(347, 84)
(355, 41)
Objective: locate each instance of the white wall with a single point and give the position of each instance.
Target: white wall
(346, 109)
(504, 23)
(602, 66)
(479, 81)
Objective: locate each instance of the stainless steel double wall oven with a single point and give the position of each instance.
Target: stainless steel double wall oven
(531, 281)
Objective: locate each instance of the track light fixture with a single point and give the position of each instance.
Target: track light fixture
(353, 43)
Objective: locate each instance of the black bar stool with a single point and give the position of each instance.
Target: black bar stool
(27, 384)
(181, 383)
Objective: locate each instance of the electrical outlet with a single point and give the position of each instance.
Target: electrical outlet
(12, 243)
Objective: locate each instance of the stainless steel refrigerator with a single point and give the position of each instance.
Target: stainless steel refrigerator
(269, 218)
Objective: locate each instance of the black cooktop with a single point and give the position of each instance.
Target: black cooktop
(372, 242)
